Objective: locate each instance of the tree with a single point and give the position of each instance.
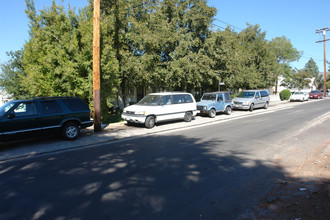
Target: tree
(313, 70)
(298, 79)
(184, 58)
(12, 75)
(285, 53)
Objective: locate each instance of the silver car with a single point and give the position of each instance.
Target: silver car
(251, 99)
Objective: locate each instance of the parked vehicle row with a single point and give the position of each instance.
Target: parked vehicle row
(158, 107)
(67, 115)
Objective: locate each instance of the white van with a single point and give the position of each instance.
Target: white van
(157, 107)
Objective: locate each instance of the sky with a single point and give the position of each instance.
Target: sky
(295, 19)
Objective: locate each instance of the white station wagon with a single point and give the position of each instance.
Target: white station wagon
(157, 107)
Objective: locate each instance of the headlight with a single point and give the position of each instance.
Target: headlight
(246, 103)
(140, 112)
(204, 107)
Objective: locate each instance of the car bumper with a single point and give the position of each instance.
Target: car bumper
(134, 118)
(237, 106)
(86, 124)
(295, 99)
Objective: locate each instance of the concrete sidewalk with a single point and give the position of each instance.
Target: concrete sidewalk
(119, 131)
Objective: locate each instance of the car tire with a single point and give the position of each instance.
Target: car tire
(70, 131)
(251, 107)
(187, 117)
(266, 105)
(150, 122)
(212, 113)
(228, 110)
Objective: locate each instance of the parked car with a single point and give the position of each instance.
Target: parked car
(55, 115)
(251, 99)
(299, 96)
(157, 107)
(315, 94)
(214, 102)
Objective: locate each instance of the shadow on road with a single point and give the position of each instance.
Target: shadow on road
(156, 177)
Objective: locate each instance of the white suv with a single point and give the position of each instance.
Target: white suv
(157, 107)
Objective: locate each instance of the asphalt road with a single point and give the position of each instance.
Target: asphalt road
(217, 171)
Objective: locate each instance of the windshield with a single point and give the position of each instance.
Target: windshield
(5, 108)
(150, 100)
(210, 97)
(314, 91)
(298, 93)
(246, 94)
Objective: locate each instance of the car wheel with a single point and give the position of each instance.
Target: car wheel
(266, 105)
(251, 107)
(150, 122)
(187, 117)
(228, 110)
(70, 131)
(212, 113)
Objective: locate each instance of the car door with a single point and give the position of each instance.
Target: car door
(220, 103)
(259, 102)
(52, 115)
(165, 111)
(21, 120)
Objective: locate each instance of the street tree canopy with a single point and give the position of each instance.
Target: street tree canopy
(168, 44)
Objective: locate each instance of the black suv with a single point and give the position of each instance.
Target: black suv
(63, 115)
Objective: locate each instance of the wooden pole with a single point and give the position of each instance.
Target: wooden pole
(96, 67)
(325, 66)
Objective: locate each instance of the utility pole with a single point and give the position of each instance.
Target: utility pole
(96, 67)
(324, 31)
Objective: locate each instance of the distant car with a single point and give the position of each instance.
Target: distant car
(315, 94)
(299, 96)
(157, 107)
(251, 99)
(52, 115)
(214, 102)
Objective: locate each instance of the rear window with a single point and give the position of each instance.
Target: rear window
(227, 97)
(188, 99)
(75, 104)
(264, 93)
(177, 99)
(50, 107)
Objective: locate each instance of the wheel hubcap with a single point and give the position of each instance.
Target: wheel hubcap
(71, 131)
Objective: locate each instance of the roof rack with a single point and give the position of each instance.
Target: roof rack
(54, 97)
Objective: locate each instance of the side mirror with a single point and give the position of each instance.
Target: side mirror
(11, 115)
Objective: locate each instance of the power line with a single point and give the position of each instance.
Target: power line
(235, 27)
(219, 26)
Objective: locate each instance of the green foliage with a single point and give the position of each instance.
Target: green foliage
(284, 51)
(298, 79)
(312, 68)
(12, 75)
(167, 44)
(285, 94)
(328, 84)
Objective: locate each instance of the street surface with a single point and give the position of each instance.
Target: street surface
(218, 170)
